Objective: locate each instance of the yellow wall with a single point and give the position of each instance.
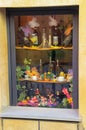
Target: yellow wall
(82, 59)
(11, 124)
(0, 124)
(4, 85)
(35, 3)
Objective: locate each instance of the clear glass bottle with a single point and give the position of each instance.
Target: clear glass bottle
(50, 68)
(44, 39)
(41, 67)
(50, 38)
(57, 68)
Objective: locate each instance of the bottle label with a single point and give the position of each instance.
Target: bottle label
(34, 39)
(55, 40)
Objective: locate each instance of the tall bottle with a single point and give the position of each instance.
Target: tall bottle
(57, 68)
(55, 37)
(50, 38)
(50, 68)
(41, 67)
(44, 39)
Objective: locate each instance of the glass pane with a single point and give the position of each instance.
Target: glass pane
(44, 71)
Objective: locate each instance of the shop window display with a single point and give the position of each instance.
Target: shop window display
(43, 56)
(44, 71)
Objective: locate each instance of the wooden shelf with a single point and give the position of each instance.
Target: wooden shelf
(43, 81)
(67, 48)
(40, 49)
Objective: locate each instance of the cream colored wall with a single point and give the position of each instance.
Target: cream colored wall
(11, 124)
(0, 124)
(82, 60)
(4, 84)
(35, 3)
(82, 47)
(48, 125)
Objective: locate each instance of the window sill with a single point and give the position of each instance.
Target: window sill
(40, 113)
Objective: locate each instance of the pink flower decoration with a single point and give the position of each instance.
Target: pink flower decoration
(69, 98)
(65, 91)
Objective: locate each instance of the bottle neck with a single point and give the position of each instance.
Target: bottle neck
(57, 69)
(57, 62)
(55, 31)
(50, 65)
(41, 69)
(35, 30)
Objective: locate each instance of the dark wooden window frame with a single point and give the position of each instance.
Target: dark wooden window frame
(11, 12)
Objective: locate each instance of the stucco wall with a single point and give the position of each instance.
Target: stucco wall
(4, 85)
(35, 3)
(82, 60)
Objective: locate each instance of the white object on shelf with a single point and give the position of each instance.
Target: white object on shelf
(60, 78)
(34, 77)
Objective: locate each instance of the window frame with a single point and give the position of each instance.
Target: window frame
(11, 12)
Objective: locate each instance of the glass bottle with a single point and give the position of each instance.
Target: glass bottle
(35, 38)
(55, 37)
(41, 69)
(44, 40)
(57, 68)
(50, 69)
(50, 40)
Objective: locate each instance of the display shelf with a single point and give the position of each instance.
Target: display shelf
(45, 81)
(40, 49)
(67, 48)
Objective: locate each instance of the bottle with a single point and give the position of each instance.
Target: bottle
(57, 68)
(55, 37)
(50, 69)
(34, 37)
(50, 41)
(41, 69)
(44, 40)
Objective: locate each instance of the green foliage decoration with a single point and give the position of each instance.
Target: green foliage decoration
(19, 72)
